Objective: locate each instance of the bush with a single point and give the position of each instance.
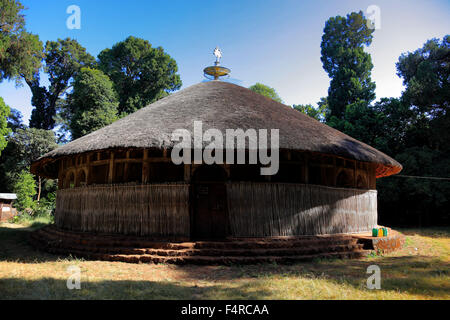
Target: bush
(42, 214)
(25, 188)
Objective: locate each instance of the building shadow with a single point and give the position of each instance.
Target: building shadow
(50, 289)
(431, 232)
(15, 246)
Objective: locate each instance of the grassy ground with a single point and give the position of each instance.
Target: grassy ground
(419, 271)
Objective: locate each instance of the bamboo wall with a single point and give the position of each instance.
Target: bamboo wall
(147, 210)
(254, 209)
(285, 209)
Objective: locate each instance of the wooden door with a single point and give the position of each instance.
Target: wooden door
(210, 220)
(210, 217)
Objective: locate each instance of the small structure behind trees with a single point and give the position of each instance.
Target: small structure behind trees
(6, 206)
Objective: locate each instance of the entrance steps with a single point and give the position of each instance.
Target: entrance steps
(230, 251)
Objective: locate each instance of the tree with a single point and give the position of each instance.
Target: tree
(92, 104)
(318, 113)
(141, 74)
(414, 130)
(63, 60)
(4, 130)
(423, 132)
(20, 51)
(266, 91)
(24, 146)
(25, 188)
(15, 120)
(346, 63)
(426, 76)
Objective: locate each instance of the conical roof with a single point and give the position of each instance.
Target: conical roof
(223, 105)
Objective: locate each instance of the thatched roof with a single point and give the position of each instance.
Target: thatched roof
(222, 105)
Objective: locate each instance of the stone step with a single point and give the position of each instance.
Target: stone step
(230, 251)
(120, 241)
(199, 252)
(210, 260)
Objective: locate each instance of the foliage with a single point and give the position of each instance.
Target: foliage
(318, 113)
(414, 130)
(4, 130)
(24, 146)
(92, 104)
(25, 188)
(266, 91)
(63, 60)
(31, 143)
(20, 51)
(346, 63)
(141, 74)
(15, 120)
(421, 133)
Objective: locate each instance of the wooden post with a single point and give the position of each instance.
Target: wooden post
(187, 173)
(145, 168)
(125, 167)
(88, 171)
(305, 173)
(111, 168)
(334, 172)
(61, 174)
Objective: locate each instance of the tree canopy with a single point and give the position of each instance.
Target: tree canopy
(63, 60)
(141, 74)
(266, 91)
(92, 104)
(318, 113)
(20, 51)
(4, 129)
(346, 62)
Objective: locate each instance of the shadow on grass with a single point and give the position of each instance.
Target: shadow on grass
(422, 275)
(415, 274)
(15, 245)
(433, 232)
(49, 288)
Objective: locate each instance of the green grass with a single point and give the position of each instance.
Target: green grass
(418, 271)
(27, 220)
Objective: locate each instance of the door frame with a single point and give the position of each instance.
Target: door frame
(197, 179)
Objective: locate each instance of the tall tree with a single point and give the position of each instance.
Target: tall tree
(92, 104)
(141, 74)
(63, 60)
(346, 62)
(4, 129)
(20, 51)
(266, 91)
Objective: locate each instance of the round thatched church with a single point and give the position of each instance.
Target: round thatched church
(121, 179)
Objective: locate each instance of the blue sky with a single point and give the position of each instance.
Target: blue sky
(275, 42)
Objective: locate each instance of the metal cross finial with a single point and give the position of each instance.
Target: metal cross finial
(218, 53)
